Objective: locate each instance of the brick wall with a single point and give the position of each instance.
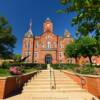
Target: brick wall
(9, 84)
(89, 82)
(2, 87)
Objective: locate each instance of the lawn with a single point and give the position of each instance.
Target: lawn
(4, 72)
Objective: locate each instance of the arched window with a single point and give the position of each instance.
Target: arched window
(48, 45)
(37, 44)
(42, 44)
(35, 54)
(27, 45)
(60, 54)
(54, 44)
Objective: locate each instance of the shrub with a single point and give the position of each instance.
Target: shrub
(6, 65)
(64, 66)
(43, 66)
(15, 70)
(55, 66)
(87, 70)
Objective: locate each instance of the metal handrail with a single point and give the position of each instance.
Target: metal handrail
(50, 78)
(83, 81)
(54, 80)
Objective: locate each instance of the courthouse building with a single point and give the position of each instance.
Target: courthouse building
(46, 48)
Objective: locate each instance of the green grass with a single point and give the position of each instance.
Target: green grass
(29, 70)
(4, 72)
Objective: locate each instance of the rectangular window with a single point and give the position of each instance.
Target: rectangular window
(42, 45)
(48, 45)
(27, 44)
(60, 54)
(37, 44)
(35, 61)
(27, 54)
(35, 54)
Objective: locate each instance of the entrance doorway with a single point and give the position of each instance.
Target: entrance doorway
(48, 59)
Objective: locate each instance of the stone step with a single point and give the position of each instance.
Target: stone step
(48, 83)
(39, 88)
(58, 85)
(54, 90)
(37, 84)
(57, 96)
(48, 87)
(48, 79)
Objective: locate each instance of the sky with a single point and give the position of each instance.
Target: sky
(19, 12)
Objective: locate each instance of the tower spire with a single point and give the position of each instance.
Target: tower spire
(30, 26)
(29, 33)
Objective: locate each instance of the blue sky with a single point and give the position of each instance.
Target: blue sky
(19, 12)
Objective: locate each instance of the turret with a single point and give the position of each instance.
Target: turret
(29, 33)
(48, 25)
(27, 49)
(67, 34)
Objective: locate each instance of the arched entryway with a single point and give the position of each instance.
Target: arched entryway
(48, 59)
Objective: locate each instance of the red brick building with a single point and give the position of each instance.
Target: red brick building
(46, 48)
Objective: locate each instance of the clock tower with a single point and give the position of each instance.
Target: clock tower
(48, 26)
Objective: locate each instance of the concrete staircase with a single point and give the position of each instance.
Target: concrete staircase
(40, 88)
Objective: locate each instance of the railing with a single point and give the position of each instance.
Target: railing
(52, 79)
(83, 81)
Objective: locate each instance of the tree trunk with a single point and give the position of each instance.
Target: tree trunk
(76, 60)
(90, 60)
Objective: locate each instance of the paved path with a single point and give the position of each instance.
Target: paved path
(54, 87)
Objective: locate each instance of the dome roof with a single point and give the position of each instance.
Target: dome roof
(48, 19)
(29, 34)
(67, 33)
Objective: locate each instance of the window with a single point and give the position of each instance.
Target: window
(42, 45)
(70, 60)
(61, 46)
(48, 37)
(48, 45)
(60, 54)
(61, 61)
(54, 44)
(27, 54)
(37, 44)
(27, 45)
(36, 61)
(35, 54)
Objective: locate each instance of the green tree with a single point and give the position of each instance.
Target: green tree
(17, 57)
(87, 47)
(7, 39)
(87, 16)
(72, 50)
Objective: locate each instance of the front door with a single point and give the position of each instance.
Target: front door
(48, 59)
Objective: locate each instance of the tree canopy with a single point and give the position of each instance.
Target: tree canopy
(84, 46)
(7, 39)
(17, 57)
(87, 18)
(87, 47)
(72, 50)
